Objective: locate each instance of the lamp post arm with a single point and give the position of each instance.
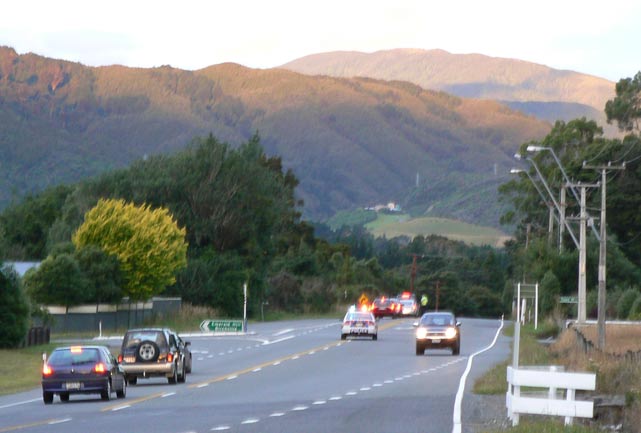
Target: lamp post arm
(540, 193)
(556, 205)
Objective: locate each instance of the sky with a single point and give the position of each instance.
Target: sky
(594, 37)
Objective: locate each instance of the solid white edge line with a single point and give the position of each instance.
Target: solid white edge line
(456, 416)
(20, 403)
(289, 337)
(284, 331)
(59, 421)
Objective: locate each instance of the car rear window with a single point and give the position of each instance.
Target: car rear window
(133, 339)
(74, 356)
(438, 319)
(359, 316)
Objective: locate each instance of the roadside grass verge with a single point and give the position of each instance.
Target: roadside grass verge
(21, 369)
(615, 376)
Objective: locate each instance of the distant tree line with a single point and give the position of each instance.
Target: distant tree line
(241, 224)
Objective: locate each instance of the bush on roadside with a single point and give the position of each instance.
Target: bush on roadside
(625, 302)
(14, 310)
(547, 329)
(635, 309)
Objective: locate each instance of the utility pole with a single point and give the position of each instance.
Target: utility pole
(602, 252)
(413, 272)
(438, 292)
(563, 205)
(581, 314)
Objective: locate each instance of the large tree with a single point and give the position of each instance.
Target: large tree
(148, 243)
(625, 108)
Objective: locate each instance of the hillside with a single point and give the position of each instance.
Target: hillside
(535, 89)
(350, 141)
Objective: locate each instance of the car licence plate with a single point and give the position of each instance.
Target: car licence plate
(436, 340)
(72, 385)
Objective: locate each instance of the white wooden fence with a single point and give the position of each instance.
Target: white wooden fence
(553, 379)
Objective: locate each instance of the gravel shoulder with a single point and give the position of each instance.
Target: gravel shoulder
(484, 413)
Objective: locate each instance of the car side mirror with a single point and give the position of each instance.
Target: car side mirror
(187, 343)
(458, 323)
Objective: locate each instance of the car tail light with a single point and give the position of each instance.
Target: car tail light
(170, 357)
(46, 370)
(100, 368)
(120, 358)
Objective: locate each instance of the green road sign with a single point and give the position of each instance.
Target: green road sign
(221, 326)
(569, 300)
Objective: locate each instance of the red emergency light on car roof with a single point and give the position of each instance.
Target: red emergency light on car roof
(406, 295)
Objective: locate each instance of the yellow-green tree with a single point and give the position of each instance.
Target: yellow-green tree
(147, 242)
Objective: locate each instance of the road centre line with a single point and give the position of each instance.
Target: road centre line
(132, 402)
(246, 370)
(263, 365)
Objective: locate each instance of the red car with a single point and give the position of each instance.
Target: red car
(386, 307)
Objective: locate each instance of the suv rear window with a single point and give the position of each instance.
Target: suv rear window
(134, 338)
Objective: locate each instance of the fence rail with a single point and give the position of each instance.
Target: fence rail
(548, 403)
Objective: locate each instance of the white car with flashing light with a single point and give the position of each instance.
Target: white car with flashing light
(359, 324)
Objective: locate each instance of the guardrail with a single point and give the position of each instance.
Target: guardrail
(552, 378)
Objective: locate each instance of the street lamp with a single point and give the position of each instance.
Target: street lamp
(580, 245)
(558, 162)
(547, 188)
(532, 148)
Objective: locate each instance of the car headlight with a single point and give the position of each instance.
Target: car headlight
(450, 333)
(421, 333)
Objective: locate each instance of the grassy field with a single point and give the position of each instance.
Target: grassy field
(392, 225)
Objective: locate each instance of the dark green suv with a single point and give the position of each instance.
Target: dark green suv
(155, 352)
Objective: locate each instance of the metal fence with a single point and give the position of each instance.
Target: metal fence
(110, 317)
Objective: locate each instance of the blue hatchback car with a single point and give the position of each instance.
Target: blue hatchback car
(82, 370)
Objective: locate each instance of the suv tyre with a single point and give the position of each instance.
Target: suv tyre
(147, 351)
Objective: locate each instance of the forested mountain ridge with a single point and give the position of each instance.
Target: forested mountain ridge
(351, 142)
(535, 89)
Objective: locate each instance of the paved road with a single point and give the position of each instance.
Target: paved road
(293, 376)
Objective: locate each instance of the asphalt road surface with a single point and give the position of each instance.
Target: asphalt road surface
(295, 376)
